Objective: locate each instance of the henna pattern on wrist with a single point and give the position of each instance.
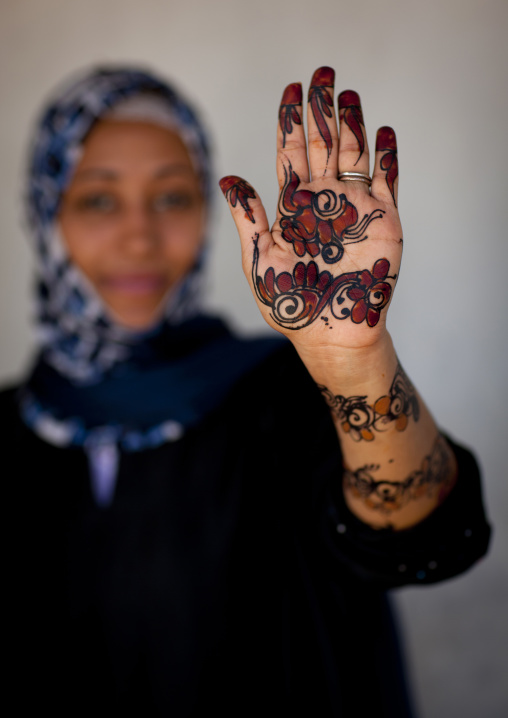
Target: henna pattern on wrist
(350, 111)
(288, 111)
(235, 190)
(321, 102)
(433, 477)
(386, 142)
(297, 299)
(360, 420)
(320, 222)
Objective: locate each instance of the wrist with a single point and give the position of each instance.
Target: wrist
(351, 370)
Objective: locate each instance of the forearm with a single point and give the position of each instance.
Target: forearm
(398, 468)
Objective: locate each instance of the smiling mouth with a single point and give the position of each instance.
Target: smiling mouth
(135, 283)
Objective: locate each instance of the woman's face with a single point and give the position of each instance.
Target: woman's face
(132, 217)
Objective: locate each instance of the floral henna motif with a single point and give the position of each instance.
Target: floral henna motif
(317, 222)
(386, 142)
(383, 495)
(403, 401)
(369, 294)
(350, 111)
(235, 190)
(321, 102)
(297, 299)
(288, 112)
(359, 419)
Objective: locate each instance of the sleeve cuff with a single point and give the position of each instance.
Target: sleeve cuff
(445, 544)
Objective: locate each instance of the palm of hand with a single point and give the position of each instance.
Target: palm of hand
(327, 269)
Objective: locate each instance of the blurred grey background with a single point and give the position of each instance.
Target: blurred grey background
(434, 70)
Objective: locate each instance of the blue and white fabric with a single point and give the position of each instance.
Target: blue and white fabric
(74, 331)
(96, 385)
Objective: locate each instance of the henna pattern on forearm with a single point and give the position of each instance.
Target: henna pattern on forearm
(235, 190)
(360, 420)
(434, 477)
(320, 222)
(350, 111)
(386, 142)
(321, 102)
(288, 111)
(297, 299)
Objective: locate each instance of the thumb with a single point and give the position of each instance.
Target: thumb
(247, 210)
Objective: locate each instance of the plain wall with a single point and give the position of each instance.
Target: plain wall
(436, 71)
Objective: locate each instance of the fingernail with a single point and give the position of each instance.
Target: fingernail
(385, 139)
(292, 95)
(324, 76)
(347, 98)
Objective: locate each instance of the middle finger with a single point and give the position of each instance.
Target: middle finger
(323, 137)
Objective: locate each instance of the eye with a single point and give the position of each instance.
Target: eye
(167, 201)
(97, 202)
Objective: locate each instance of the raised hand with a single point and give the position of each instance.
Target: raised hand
(324, 276)
(325, 272)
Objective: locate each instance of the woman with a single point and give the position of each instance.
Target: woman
(186, 535)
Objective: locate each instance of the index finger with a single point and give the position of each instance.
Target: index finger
(291, 145)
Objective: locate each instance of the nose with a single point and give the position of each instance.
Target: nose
(139, 235)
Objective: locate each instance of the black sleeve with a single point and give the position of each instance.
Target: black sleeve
(446, 543)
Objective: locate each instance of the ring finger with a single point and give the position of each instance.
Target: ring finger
(353, 146)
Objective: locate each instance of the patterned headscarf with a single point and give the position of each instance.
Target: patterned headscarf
(77, 337)
(96, 385)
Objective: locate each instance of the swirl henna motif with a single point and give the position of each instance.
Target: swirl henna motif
(386, 142)
(320, 222)
(360, 419)
(350, 111)
(235, 190)
(297, 299)
(433, 477)
(288, 111)
(321, 102)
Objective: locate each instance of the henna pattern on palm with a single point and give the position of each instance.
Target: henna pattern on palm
(360, 420)
(386, 142)
(297, 299)
(351, 112)
(235, 190)
(321, 102)
(288, 111)
(320, 222)
(433, 477)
